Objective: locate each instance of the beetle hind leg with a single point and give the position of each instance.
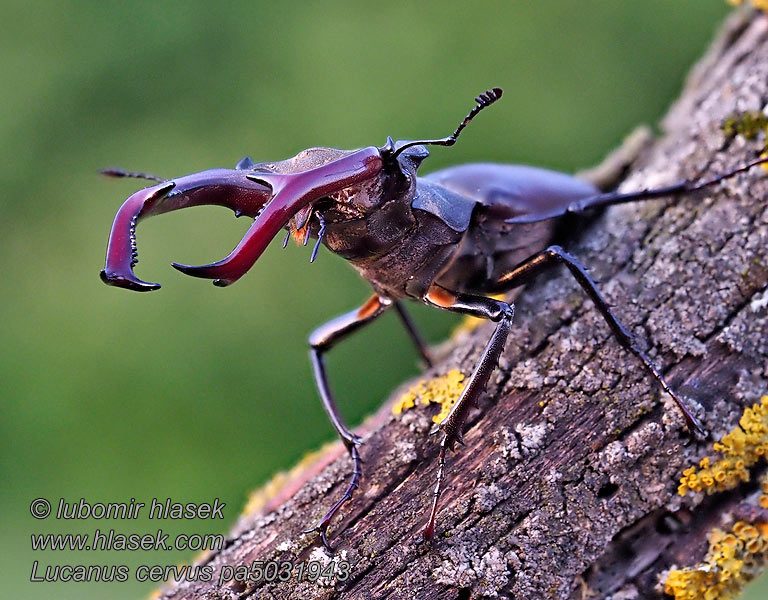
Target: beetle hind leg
(556, 255)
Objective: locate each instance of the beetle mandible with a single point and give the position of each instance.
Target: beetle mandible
(449, 239)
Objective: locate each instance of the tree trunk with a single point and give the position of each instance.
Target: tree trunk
(568, 483)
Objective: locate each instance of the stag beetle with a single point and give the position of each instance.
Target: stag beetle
(449, 239)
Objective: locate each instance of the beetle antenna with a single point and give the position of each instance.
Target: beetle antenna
(483, 101)
(134, 174)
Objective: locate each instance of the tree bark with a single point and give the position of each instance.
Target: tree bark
(567, 486)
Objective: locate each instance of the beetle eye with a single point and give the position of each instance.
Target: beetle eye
(415, 154)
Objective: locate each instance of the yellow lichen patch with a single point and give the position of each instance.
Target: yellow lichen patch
(761, 4)
(747, 124)
(444, 390)
(259, 498)
(741, 448)
(733, 559)
(763, 499)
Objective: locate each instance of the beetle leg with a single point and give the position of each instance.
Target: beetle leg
(322, 340)
(676, 189)
(554, 255)
(451, 428)
(413, 333)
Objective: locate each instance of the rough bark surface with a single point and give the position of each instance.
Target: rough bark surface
(568, 484)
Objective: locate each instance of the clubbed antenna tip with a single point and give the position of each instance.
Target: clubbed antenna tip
(483, 101)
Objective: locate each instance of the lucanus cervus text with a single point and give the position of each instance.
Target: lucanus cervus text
(449, 239)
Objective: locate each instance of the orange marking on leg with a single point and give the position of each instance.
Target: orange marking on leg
(369, 308)
(441, 297)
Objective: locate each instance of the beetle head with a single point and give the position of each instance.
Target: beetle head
(396, 179)
(402, 159)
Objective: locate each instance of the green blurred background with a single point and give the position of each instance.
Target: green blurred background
(195, 392)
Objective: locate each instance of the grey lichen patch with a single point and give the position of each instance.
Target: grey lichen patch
(722, 244)
(759, 302)
(486, 497)
(417, 421)
(739, 334)
(532, 436)
(628, 592)
(286, 546)
(523, 440)
(593, 377)
(750, 382)
(321, 556)
(644, 440)
(562, 360)
(508, 444)
(614, 458)
(526, 375)
(403, 453)
(673, 420)
(487, 574)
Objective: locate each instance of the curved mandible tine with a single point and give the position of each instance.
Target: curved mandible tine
(291, 193)
(276, 214)
(232, 267)
(215, 187)
(121, 248)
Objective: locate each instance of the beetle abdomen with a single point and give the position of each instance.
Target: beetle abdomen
(514, 191)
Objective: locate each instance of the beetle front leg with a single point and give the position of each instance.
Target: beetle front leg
(322, 340)
(452, 427)
(556, 255)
